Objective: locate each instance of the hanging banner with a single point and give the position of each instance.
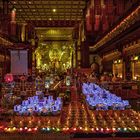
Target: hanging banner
(92, 14)
(111, 19)
(19, 62)
(105, 25)
(120, 7)
(97, 5)
(110, 7)
(104, 17)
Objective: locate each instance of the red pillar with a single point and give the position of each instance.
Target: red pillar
(84, 54)
(13, 22)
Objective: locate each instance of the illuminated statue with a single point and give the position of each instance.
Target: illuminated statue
(55, 56)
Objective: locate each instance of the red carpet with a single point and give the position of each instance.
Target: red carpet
(74, 94)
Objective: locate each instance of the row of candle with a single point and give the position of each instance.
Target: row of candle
(67, 130)
(34, 123)
(78, 118)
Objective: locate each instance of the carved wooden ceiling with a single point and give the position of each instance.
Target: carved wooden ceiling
(67, 13)
(44, 10)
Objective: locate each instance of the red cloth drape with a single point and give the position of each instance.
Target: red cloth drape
(98, 12)
(109, 6)
(97, 6)
(92, 13)
(92, 19)
(105, 23)
(120, 7)
(104, 18)
(97, 22)
(111, 19)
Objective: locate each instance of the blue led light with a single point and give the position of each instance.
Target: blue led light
(35, 105)
(101, 98)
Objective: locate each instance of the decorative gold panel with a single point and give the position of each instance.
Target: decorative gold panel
(54, 56)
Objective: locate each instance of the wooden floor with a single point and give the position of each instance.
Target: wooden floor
(52, 136)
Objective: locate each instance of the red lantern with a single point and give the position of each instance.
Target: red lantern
(88, 22)
(8, 78)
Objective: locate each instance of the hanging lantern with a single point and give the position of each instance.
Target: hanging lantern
(88, 23)
(8, 78)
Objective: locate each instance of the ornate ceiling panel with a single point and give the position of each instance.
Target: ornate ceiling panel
(35, 10)
(51, 34)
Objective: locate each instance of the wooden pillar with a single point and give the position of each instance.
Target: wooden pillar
(9, 62)
(72, 64)
(5, 17)
(13, 22)
(30, 61)
(4, 63)
(84, 54)
(23, 32)
(33, 65)
(74, 58)
(5, 7)
(19, 31)
(26, 34)
(78, 56)
(127, 73)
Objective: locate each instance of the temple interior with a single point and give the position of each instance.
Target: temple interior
(70, 69)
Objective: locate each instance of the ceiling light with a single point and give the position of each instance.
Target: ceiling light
(54, 10)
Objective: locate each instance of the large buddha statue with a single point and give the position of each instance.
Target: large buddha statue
(55, 56)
